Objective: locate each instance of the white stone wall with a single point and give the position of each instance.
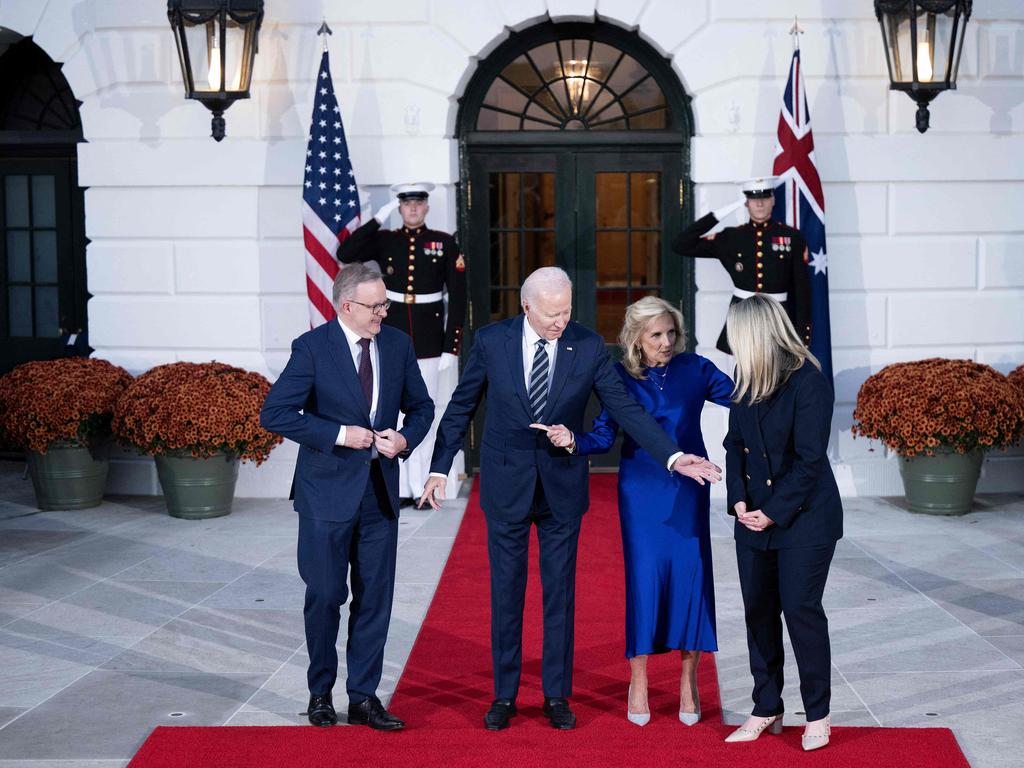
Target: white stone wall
(196, 248)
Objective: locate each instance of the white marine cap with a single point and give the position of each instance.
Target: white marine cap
(416, 190)
(762, 186)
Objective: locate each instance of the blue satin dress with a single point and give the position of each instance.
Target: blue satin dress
(666, 537)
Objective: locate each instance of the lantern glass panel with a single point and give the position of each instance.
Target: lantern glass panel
(213, 70)
(897, 39)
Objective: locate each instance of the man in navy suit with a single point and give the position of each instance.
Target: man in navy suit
(339, 398)
(538, 368)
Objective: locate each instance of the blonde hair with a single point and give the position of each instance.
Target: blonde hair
(639, 315)
(767, 348)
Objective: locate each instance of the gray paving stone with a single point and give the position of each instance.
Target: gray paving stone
(261, 588)
(989, 607)
(133, 704)
(9, 713)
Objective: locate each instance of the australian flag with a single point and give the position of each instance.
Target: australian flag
(330, 199)
(800, 202)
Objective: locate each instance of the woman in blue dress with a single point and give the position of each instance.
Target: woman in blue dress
(666, 541)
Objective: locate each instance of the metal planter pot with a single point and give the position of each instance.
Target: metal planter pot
(942, 484)
(68, 476)
(196, 489)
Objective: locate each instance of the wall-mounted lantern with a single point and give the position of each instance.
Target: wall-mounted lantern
(217, 43)
(923, 40)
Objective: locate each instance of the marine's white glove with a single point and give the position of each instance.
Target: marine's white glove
(726, 210)
(448, 360)
(386, 210)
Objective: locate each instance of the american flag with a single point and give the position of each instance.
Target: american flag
(800, 202)
(330, 200)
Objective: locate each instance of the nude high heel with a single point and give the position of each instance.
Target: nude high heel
(690, 718)
(817, 741)
(772, 724)
(641, 718)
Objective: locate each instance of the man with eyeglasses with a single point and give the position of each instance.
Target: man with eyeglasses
(424, 273)
(339, 398)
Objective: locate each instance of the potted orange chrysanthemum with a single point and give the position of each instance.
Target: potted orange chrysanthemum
(59, 412)
(940, 416)
(197, 420)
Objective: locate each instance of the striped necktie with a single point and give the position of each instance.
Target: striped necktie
(539, 380)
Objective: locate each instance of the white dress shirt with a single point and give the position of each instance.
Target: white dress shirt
(356, 351)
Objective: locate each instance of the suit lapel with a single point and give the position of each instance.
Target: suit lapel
(563, 367)
(514, 355)
(337, 347)
(388, 375)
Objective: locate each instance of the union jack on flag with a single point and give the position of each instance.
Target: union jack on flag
(800, 202)
(330, 200)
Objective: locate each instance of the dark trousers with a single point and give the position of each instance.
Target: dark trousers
(328, 552)
(787, 582)
(508, 550)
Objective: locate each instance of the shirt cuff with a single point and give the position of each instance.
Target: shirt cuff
(340, 440)
(672, 460)
(438, 474)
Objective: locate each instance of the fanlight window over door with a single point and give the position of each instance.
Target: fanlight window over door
(574, 84)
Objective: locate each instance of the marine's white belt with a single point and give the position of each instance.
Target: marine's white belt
(739, 293)
(415, 298)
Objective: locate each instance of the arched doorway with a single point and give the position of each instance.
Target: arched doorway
(574, 148)
(42, 219)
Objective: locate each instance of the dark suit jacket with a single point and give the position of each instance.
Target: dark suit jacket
(318, 391)
(776, 461)
(513, 456)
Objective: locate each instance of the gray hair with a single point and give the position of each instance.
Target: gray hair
(639, 315)
(544, 280)
(351, 276)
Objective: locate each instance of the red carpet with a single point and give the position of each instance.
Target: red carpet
(446, 688)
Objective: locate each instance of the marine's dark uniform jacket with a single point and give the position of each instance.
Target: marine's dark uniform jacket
(760, 258)
(414, 264)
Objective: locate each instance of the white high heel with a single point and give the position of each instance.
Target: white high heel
(817, 741)
(690, 718)
(636, 718)
(772, 724)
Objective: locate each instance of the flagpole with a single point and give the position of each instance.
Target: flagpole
(324, 31)
(796, 30)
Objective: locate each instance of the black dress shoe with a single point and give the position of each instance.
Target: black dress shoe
(321, 710)
(405, 502)
(372, 713)
(498, 715)
(558, 712)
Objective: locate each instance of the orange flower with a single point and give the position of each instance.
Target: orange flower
(958, 404)
(198, 408)
(66, 400)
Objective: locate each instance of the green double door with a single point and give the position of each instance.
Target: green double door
(605, 217)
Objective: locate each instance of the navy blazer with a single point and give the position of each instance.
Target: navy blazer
(776, 461)
(319, 391)
(513, 456)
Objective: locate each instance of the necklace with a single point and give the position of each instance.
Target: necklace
(658, 377)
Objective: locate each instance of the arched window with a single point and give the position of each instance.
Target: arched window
(574, 84)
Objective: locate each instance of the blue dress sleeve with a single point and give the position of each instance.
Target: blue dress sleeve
(601, 436)
(719, 386)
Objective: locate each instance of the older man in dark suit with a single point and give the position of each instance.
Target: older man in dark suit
(339, 399)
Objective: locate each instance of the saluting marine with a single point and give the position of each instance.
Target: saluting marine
(761, 256)
(423, 269)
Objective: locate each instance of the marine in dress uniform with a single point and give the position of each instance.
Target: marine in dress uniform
(761, 256)
(423, 270)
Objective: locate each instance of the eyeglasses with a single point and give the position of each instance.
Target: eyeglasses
(375, 308)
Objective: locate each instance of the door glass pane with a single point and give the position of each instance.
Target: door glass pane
(646, 258)
(47, 324)
(645, 194)
(504, 96)
(612, 259)
(44, 247)
(505, 261)
(522, 74)
(626, 74)
(504, 304)
(610, 199)
(611, 309)
(505, 211)
(539, 200)
(44, 202)
(18, 265)
(490, 120)
(16, 194)
(539, 251)
(19, 310)
(650, 120)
